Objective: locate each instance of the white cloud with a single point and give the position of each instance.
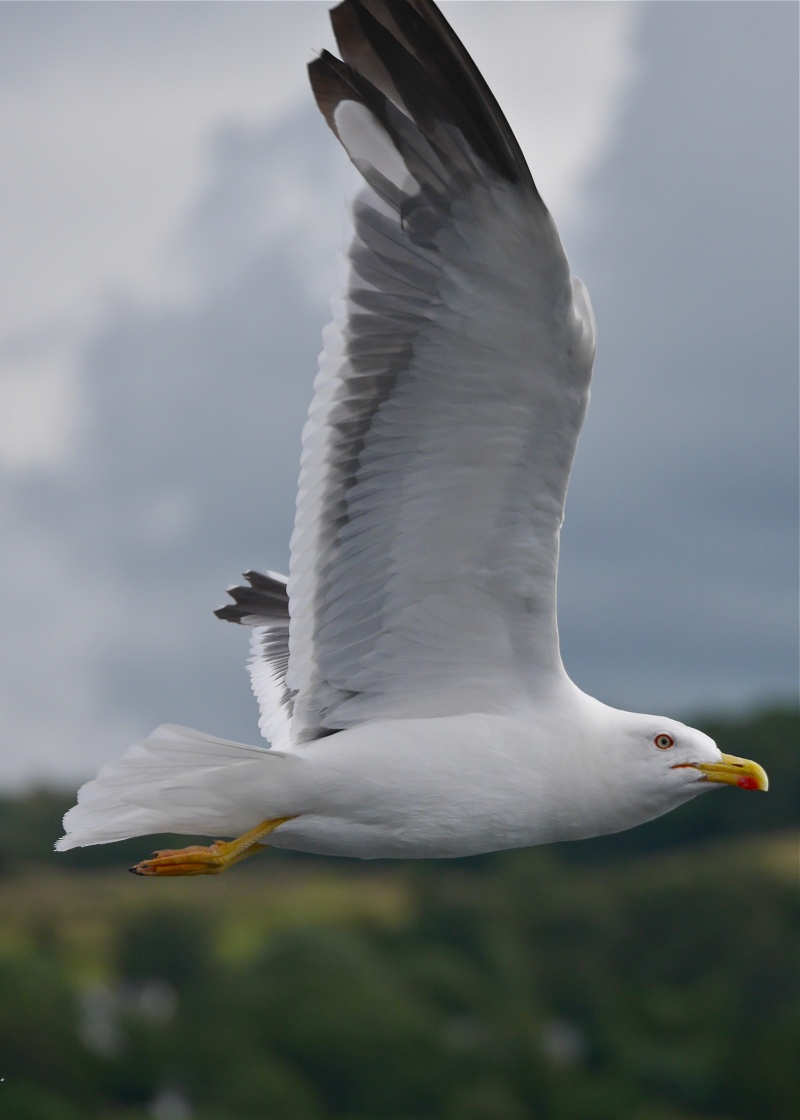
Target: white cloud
(106, 114)
(560, 72)
(107, 143)
(40, 397)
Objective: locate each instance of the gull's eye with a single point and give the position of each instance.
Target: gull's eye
(664, 741)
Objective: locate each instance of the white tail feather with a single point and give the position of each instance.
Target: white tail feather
(177, 780)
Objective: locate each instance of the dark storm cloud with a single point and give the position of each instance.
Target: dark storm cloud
(679, 555)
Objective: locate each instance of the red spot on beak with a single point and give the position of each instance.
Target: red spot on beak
(747, 782)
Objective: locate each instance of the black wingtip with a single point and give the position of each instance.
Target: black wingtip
(264, 600)
(408, 51)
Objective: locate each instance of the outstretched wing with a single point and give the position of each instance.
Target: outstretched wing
(452, 388)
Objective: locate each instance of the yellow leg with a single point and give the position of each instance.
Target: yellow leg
(211, 860)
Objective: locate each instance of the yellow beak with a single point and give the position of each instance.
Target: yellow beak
(734, 771)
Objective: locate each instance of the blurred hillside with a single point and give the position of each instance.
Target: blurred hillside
(648, 976)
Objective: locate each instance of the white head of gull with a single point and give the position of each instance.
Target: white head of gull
(408, 672)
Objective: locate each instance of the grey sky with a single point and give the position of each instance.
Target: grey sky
(174, 374)
(692, 265)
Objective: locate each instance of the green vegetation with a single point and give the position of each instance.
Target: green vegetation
(650, 976)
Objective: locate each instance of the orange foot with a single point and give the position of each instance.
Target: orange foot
(213, 859)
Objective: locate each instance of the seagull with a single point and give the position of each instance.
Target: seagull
(408, 672)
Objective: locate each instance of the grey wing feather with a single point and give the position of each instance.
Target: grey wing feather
(263, 604)
(264, 597)
(451, 390)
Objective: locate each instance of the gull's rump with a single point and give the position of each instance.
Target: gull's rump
(180, 781)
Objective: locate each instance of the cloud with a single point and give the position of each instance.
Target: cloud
(105, 115)
(560, 72)
(679, 550)
(184, 473)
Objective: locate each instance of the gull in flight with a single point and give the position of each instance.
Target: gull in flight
(408, 672)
